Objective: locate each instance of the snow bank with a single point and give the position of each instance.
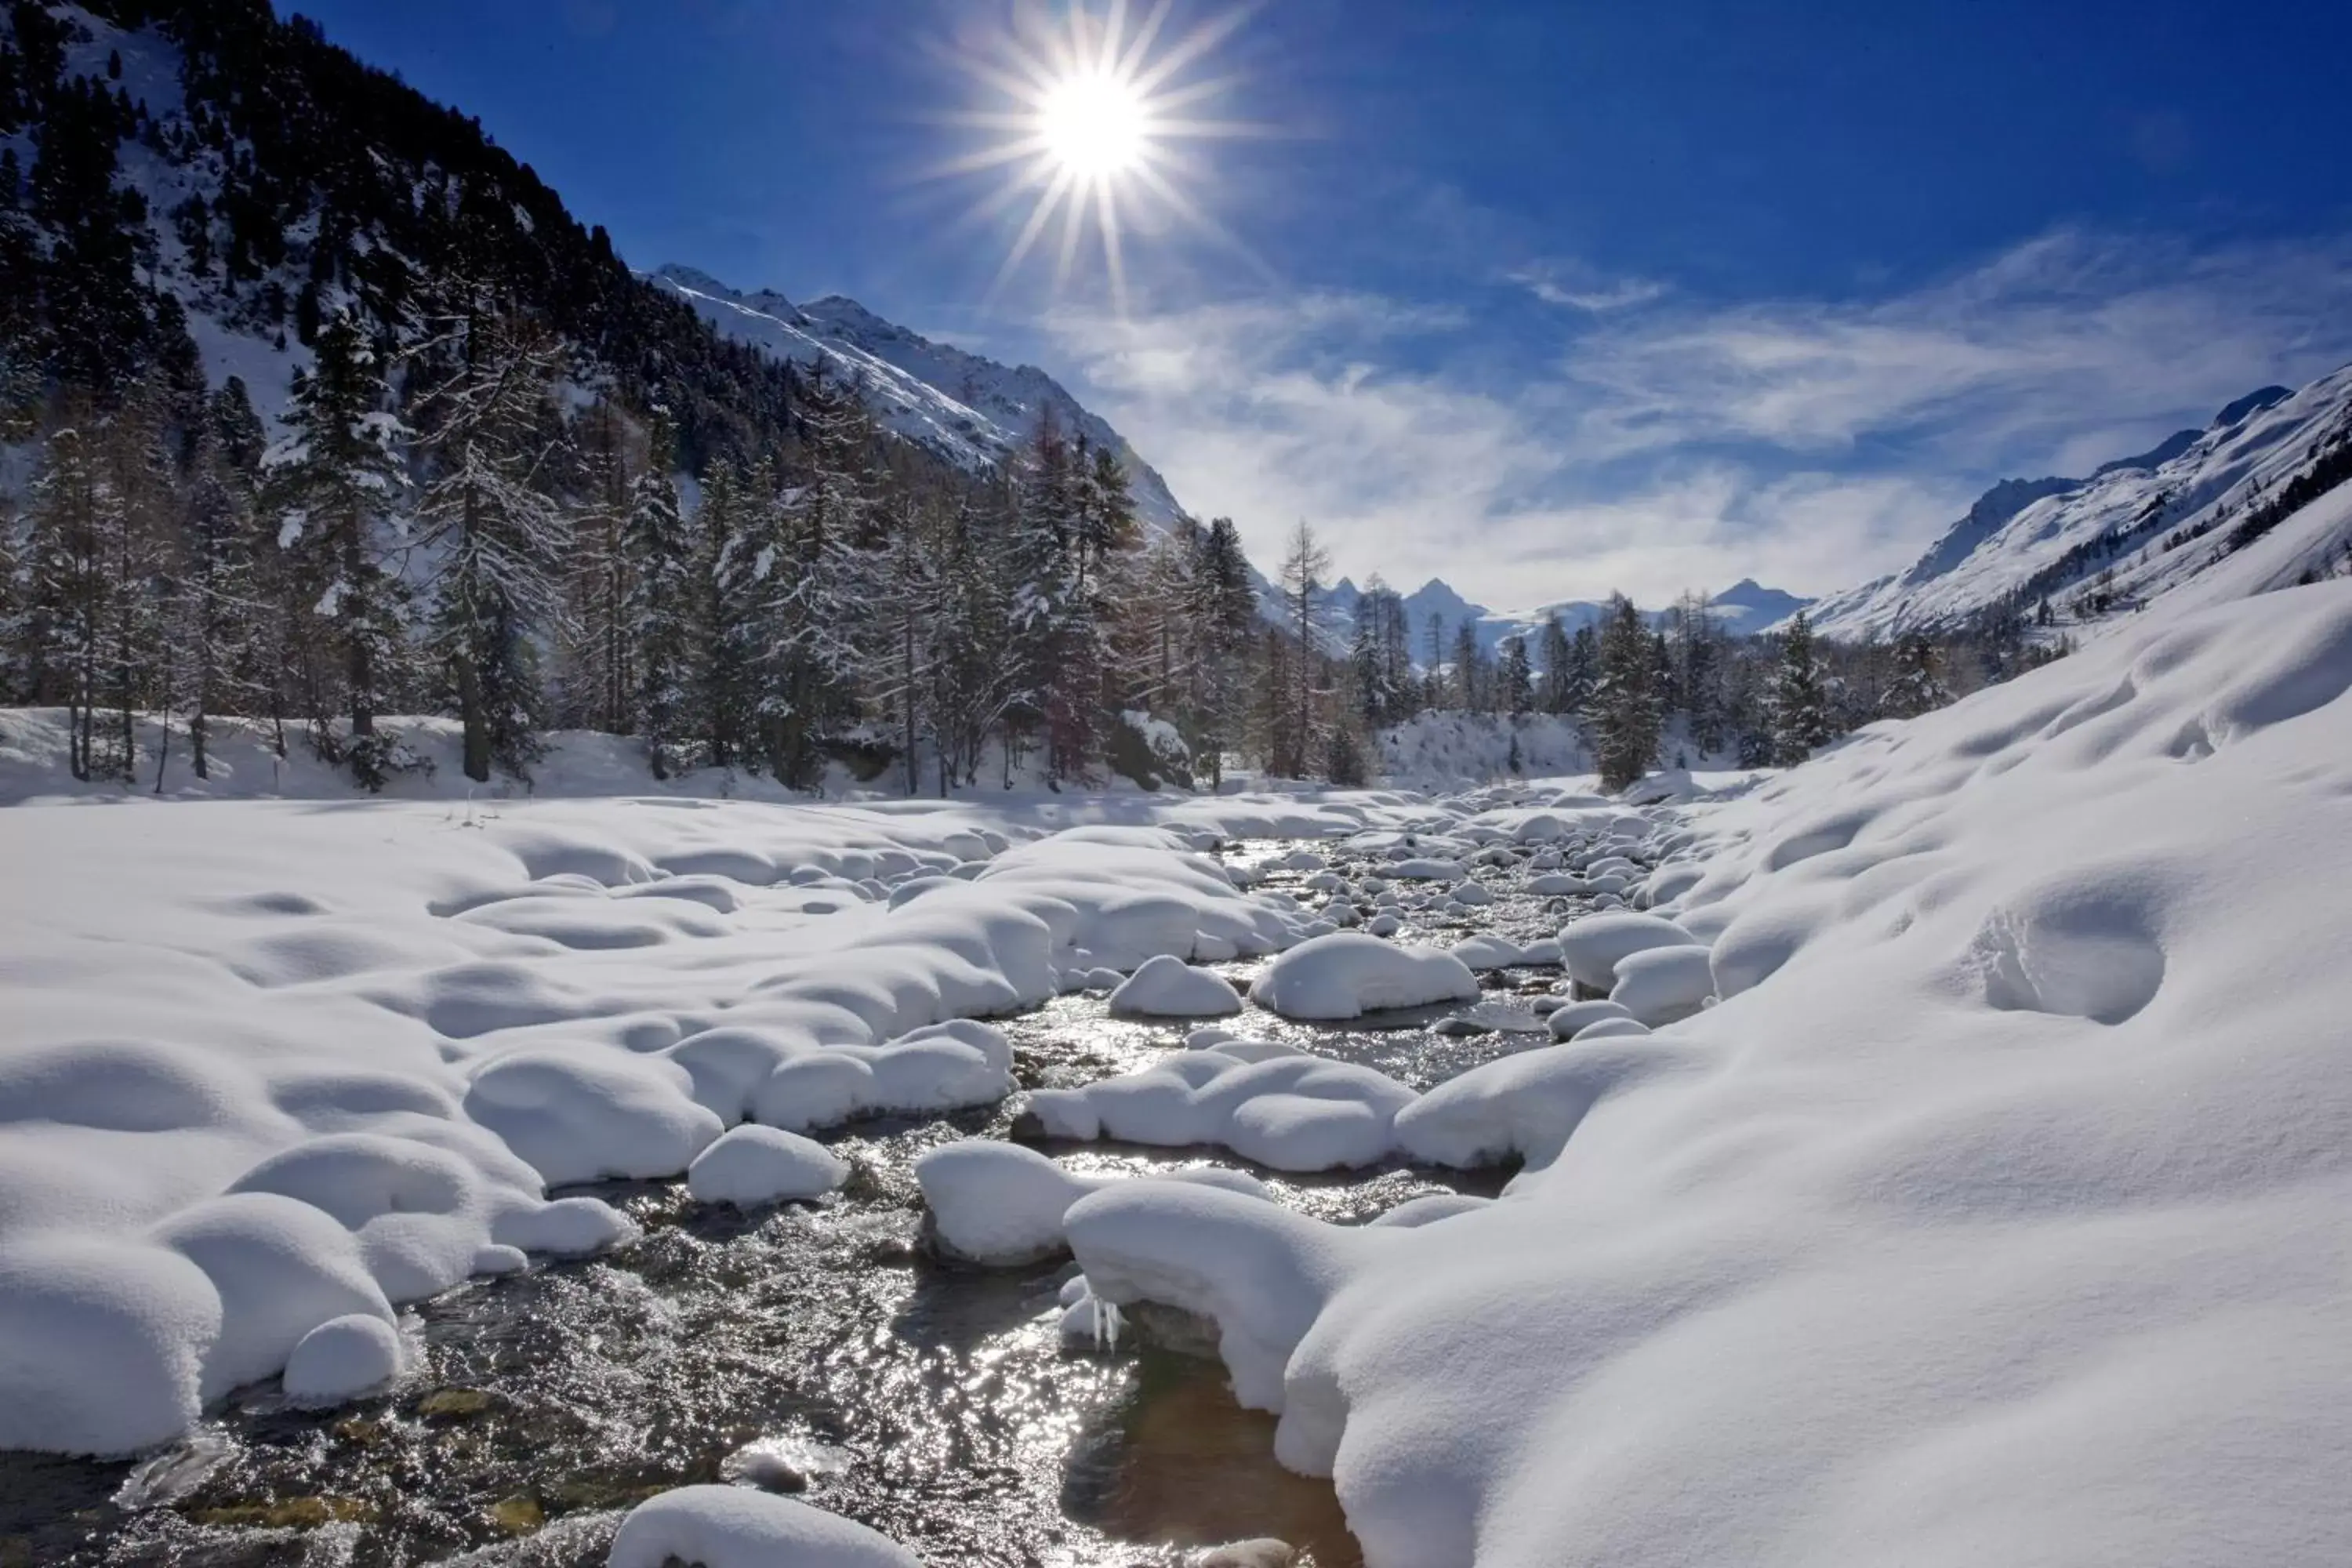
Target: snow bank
(1997, 1213)
(736, 1527)
(1349, 973)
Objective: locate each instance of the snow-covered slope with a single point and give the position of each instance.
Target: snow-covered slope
(971, 410)
(2152, 522)
(2000, 1211)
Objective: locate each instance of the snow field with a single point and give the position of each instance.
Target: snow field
(329, 1057)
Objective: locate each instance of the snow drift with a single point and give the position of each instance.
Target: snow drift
(1998, 1212)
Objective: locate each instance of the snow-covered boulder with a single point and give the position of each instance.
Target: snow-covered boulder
(1487, 952)
(1570, 1018)
(752, 1165)
(1349, 974)
(1660, 985)
(1287, 1111)
(1592, 947)
(741, 1527)
(341, 1359)
(1002, 1206)
(1167, 987)
(584, 1115)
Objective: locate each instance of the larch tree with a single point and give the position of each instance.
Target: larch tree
(1305, 566)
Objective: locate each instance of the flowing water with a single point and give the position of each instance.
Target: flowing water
(819, 1350)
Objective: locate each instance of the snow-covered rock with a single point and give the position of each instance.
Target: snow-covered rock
(1286, 1111)
(342, 1358)
(752, 1165)
(1565, 1020)
(741, 1527)
(1167, 987)
(1660, 985)
(1592, 947)
(1351, 973)
(1002, 1205)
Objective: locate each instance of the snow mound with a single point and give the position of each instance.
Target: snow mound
(1660, 985)
(1570, 1018)
(1592, 948)
(737, 1527)
(341, 1359)
(1002, 1206)
(1167, 987)
(1285, 1112)
(752, 1165)
(1348, 974)
(582, 1117)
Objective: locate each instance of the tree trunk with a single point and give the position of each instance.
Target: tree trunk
(478, 730)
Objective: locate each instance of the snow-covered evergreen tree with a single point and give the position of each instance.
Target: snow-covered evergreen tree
(494, 533)
(334, 477)
(1800, 719)
(1918, 686)
(1516, 679)
(657, 612)
(1556, 693)
(1623, 715)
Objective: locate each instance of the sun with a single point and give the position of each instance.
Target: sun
(1091, 128)
(1095, 124)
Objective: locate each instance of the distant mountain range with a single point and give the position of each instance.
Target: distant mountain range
(2134, 528)
(1745, 608)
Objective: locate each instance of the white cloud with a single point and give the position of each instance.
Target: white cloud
(1578, 289)
(1812, 445)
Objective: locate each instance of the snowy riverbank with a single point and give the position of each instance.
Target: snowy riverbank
(1995, 1210)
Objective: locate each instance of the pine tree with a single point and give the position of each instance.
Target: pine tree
(333, 478)
(216, 614)
(1918, 686)
(499, 537)
(726, 590)
(1801, 722)
(657, 614)
(1470, 682)
(1557, 693)
(1225, 615)
(600, 681)
(1518, 695)
(1623, 715)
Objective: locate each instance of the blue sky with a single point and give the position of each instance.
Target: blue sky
(1542, 298)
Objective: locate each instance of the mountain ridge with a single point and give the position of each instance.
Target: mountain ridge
(2115, 539)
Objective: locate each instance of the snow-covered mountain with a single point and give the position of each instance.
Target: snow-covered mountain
(1745, 608)
(971, 410)
(2134, 528)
